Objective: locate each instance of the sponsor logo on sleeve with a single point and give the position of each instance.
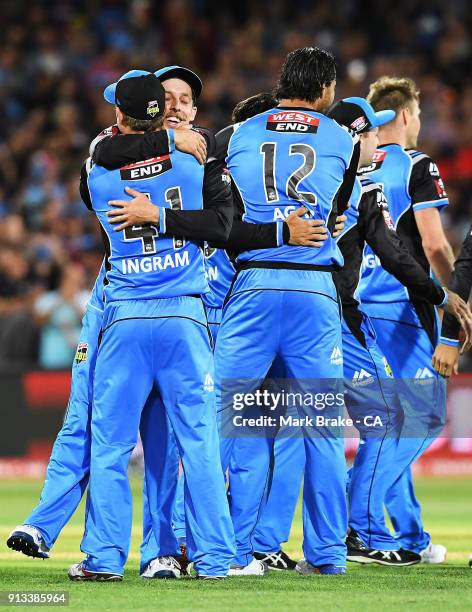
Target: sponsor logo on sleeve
(438, 182)
(149, 168)
(81, 353)
(293, 121)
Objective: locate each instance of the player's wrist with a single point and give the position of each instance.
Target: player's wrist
(449, 341)
(285, 232)
(445, 301)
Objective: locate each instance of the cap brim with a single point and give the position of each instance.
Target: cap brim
(110, 93)
(178, 72)
(383, 117)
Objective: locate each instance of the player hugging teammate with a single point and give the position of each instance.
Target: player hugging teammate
(280, 305)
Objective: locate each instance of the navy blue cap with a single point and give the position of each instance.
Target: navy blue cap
(110, 91)
(185, 74)
(358, 114)
(138, 94)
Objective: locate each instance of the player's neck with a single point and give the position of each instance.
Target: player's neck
(392, 136)
(299, 103)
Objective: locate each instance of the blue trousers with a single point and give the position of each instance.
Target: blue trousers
(67, 473)
(164, 344)
(262, 321)
(409, 350)
(370, 394)
(283, 487)
(283, 482)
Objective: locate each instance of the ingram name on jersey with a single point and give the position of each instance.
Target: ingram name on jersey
(141, 264)
(283, 159)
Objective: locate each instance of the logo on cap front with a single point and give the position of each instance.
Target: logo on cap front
(152, 108)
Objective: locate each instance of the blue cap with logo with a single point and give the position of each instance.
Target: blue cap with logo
(185, 74)
(138, 94)
(358, 114)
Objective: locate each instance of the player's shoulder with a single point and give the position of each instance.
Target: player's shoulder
(367, 184)
(111, 130)
(418, 157)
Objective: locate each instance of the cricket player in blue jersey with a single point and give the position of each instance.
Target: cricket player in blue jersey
(371, 397)
(283, 302)
(68, 469)
(275, 521)
(181, 90)
(406, 325)
(154, 334)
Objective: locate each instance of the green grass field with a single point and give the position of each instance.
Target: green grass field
(446, 505)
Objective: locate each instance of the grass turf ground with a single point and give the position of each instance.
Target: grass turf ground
(446, 506)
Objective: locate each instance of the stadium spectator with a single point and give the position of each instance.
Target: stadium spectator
(59, 315)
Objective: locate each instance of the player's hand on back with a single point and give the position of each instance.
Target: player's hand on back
(305, 232)
(190, 141)
(460, 310)
(137, 211)
(339, 225)
(446, 360)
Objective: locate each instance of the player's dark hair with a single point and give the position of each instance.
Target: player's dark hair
(253, 106)
(304, 73)
(143, 125)
(393, 93)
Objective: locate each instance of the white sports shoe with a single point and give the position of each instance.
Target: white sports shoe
(28, 540)
(434, 553)
(162, 567)
(255, 568)
(77, 572)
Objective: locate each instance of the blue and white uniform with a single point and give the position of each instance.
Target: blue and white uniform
(283, 304)
(154, 336)
(407, 327)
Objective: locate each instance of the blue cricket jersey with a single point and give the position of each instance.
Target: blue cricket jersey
(283, 159)
(411, 182)
(142, 263)
(220, 273)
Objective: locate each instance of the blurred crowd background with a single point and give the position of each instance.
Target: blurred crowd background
(57, 56)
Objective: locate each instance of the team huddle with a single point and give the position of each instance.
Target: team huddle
(287, 256)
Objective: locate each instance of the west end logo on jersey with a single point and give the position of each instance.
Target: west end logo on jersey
(149, 168)
(292, 122)
(377, 161)
(81, 353)
(336, 356)
(362, 377)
